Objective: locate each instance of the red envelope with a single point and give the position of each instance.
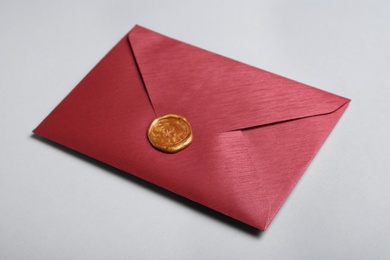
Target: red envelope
(254, 132)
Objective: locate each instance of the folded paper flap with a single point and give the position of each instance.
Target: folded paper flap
(227, 94)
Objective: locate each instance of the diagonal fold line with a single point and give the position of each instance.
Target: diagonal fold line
(141, 77)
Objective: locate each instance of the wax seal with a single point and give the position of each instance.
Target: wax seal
(170, 133)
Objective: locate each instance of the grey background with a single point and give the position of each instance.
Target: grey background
(55, 204)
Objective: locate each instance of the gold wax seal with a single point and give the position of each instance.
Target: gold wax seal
(170, 133)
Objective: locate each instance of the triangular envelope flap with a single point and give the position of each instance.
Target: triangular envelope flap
(218, 93)
(281, 153)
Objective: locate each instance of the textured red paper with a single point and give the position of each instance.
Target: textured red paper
(254, 132)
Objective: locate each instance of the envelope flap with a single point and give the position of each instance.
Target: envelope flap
(218, 93)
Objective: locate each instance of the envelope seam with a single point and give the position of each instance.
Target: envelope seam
(140, 74)
(289, 120)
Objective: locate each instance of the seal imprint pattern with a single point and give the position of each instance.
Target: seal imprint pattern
(170, 133)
